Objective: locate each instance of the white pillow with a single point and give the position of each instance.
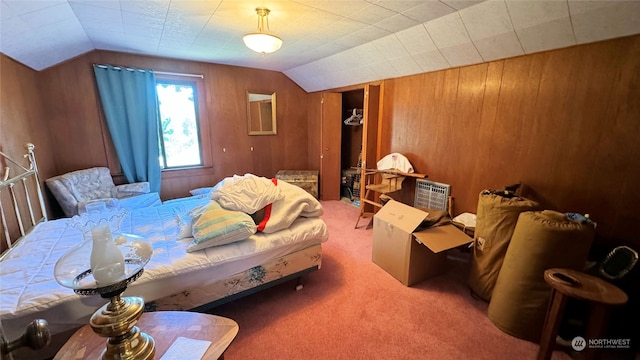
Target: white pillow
(214, 225)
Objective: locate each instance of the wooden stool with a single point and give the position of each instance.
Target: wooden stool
(600, 294)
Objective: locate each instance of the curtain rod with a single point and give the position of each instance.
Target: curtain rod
(179, 74)
(155, 72)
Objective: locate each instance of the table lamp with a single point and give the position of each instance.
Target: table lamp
(104, 264)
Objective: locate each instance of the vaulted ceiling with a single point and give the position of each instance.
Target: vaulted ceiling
(327, 43)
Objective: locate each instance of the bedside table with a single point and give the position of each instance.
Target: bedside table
(165, 327)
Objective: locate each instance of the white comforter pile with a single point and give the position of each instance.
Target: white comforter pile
(283, 202)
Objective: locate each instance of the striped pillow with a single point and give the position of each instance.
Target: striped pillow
(214, 225)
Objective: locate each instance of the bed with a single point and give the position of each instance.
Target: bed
(287, 244)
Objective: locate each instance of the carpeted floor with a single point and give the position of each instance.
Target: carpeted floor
(352, 309)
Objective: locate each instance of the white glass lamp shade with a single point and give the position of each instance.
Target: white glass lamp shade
(73, 269)
(262, 43)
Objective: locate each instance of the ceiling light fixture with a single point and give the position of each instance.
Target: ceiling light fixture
(262, 41)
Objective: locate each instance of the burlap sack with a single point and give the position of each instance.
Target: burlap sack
(495, 220)
(541, 240)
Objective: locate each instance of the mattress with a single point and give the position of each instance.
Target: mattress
(28, 289)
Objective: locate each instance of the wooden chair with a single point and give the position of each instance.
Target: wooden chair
(388, 181)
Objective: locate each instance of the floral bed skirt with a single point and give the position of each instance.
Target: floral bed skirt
(256, 276)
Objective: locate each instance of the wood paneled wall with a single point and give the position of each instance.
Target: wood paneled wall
(565, 123)
(78, 130)
(314, 123)
(21, 121)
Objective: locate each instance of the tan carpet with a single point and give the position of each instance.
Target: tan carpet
(352, 309)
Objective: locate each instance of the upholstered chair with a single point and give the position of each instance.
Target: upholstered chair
(93, 188)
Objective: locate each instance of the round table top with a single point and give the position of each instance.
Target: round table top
(165, 327)
(586, 287)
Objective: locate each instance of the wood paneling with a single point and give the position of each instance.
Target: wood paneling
(564, 123)
(74, 112)
(22, 121)
(314, 124)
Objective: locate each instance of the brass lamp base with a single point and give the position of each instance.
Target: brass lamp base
(116, 321)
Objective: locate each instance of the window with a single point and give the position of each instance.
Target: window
(180, 144)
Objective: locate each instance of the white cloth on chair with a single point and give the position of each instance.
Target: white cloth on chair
(395, 161)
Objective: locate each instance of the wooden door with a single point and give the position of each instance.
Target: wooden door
(331, 144)
(371, 114)
(370, 152)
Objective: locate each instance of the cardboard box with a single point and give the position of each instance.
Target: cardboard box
(405, 251)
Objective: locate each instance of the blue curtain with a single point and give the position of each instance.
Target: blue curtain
(130, 106)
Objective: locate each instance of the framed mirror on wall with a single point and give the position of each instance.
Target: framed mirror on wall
(261, 112)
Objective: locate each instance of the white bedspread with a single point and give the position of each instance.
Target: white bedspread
(28, 289)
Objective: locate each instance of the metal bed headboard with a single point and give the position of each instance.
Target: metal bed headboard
(13, 221)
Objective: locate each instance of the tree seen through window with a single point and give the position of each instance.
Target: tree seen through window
(179, 140)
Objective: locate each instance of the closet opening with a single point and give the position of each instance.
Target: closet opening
(351, 145)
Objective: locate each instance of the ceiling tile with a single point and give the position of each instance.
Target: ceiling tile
(149, 8)
(390, 47)
(416, 40)
(185, 24)
(218, 21)
(96, 30)
(385, 70)
(317, 20)
(88, 13)
(371, 14)
(406, 65)
(6, 12)
(431, 61)
(399, 6)
(348, 59)
(339, 7)
(396, 23)
(486, 20)
(13, 27)
(428, 10)
(461, 4)
(50, 15)
(132, 29)
(21, 7)
(448, 31)
(140, 43)
(104, 4)
(342, 78)
(368, 53)
(461, 54)
(551, 35)
(525, 14)
(142, 20)
(105, 37)
(186, 38)
(599, 20)
(369, 33)
(499, 46)
(212, 36)
(187, 7)
(59, 41)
